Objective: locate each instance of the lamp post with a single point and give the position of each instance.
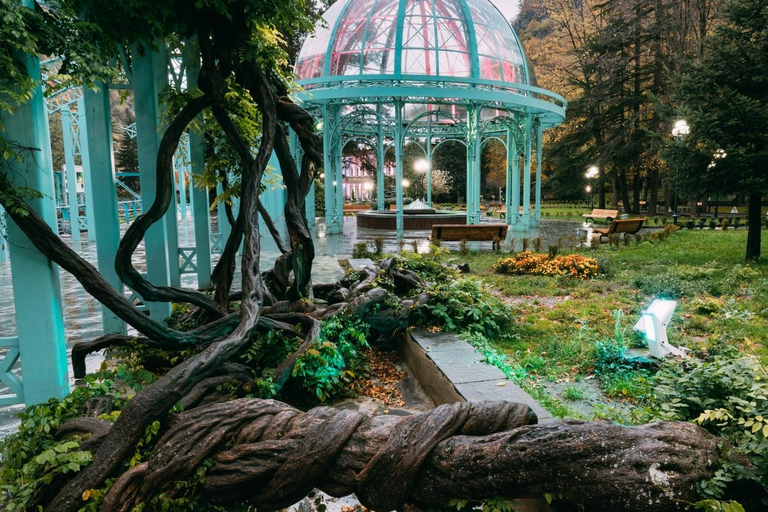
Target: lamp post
(591, 174)
(679, 131)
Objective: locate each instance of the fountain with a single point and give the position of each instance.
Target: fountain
(417, 216)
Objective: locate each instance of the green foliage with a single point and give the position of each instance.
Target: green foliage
(728, 396)
(675, 281)
(32, 456)
(463, 305)
(332, 362)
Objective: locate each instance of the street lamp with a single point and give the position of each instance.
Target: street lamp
(406, 183)
(421, 165)
(679, 131)
(591, 174)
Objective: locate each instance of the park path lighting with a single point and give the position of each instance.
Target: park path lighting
(421, 165)
(406, 183)
(591, 174)
(679, 131)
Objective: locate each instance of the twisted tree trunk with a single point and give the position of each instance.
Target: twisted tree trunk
(461, 451)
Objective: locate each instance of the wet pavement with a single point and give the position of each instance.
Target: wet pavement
(82, 313)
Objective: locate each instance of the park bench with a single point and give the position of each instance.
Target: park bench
(470, 232)
(618, 226)
(356, 207)
(598, 213)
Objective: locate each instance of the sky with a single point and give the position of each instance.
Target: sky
(508, 8)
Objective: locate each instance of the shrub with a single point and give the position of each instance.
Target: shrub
(360, 251)
(330, 364)
(462, 305)
(712, 223)
(729, 397)
(572, 265)
(702, 222)
(690, 223)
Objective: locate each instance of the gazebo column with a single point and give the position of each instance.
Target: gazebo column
(380, 164)
(399, 167)
(338, 173)
(225, 228)
(510, 216)
(539, 137)
(160, 73)
(71, 173)
(156, 238)
(298, 155)
(474, 145)
(3, 237)
(36, 289)
(514, 213)
(527, 175)
(85, 158)
(96, 150)
(198, 196)
(332, 222)
(429, 161)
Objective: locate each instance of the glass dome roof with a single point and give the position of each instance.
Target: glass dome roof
(414, 40)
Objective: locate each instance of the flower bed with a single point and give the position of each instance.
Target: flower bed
(572, 265)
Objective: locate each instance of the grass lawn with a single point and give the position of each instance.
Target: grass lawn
(564, 326)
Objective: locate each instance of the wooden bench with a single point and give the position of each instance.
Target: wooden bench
(356, 207)
(618, 226)
(597, 213)
(470, 232)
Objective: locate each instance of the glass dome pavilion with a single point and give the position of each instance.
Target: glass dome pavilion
(383, 72)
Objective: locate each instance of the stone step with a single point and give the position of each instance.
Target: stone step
(451, 370)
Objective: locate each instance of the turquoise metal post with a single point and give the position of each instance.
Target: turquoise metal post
(225, 228)
(514, 213)
(399, 166)
(539, 137)
(155, 241)
(35, 279)
(332, 224)
(380, 164)
(511, 155)
(198, 196)
(338, 179)
(473, 165)
(69, 165)
(429, 161)
(85, 158)
(182, 172)
(3, 237)
(160, 78)
(527, 175)
(96, 150)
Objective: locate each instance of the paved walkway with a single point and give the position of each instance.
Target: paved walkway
(466, 371)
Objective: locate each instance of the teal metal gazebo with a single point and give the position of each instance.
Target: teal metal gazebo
(426, 71)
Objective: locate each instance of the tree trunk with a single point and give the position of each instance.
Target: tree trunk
(636, 192)
(653, 192)
(755, 225)
(270, 455)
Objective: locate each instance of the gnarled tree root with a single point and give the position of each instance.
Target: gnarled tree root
(271, 455)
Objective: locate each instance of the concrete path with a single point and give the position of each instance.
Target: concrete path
(451, 370)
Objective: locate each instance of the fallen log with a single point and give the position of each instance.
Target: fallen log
(270, 455)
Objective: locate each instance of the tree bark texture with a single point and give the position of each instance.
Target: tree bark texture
(271, 455)
(755, 225)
